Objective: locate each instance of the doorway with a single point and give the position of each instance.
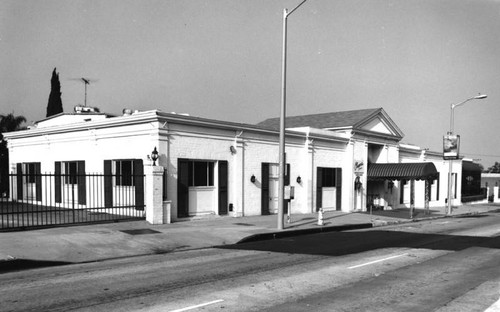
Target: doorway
(202, 187)
(328, 188)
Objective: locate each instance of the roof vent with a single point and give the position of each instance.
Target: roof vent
(127, 112)
(80, 109)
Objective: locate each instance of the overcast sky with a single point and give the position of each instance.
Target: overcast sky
(221, 59)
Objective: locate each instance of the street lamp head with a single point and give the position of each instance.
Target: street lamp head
(480, 96)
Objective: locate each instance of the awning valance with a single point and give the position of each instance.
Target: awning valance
(402, 171)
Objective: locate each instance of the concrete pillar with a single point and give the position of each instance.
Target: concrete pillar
(154, 194)
(237, 182)
(427, 193)
(496, 199)
(412, 198)
(308, 180)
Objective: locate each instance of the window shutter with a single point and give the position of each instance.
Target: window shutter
(402, 191)
(319, 188)
(338, 184)
(165, 185)
(81, 183)
(139, 184)
(108, 184)
(437, 188)
(38, 182)
(19, 180)
(264, 204)
(57, 182)
(223, 198)
(183, 188)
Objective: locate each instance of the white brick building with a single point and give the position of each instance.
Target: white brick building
(218, 167)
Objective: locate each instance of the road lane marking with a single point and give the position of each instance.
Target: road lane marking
(197, 306)
(376, 261)
(494, 307)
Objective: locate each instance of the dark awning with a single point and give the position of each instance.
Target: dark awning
(402, 171)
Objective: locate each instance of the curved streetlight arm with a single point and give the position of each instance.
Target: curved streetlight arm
(292, 10)
(452, 115)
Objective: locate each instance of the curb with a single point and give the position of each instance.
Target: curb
(347, 227)
(288, 233)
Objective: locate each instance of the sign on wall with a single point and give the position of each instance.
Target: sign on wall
(359, 167)
(451, 146)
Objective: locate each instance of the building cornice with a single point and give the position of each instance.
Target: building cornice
(162, 118)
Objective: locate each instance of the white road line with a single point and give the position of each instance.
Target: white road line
(494, 307)
(372, 262)
(197, 306)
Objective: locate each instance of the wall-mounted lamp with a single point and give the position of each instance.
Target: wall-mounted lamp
(299, 180)
(154, 156)
(252, 179)
(232, 149)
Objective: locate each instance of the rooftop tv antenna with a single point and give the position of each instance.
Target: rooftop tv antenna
(86, 82)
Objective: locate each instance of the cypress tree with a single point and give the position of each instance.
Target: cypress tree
(55, 104)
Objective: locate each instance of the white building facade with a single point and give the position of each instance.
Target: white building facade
(215, 167)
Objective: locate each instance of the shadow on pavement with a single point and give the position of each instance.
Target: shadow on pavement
(25, 264)
(345, 243)
(403, 213)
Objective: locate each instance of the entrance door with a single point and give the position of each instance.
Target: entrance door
(329, 188)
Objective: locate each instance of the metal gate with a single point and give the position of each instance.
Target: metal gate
(41, 200)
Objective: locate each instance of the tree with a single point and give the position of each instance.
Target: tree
(494, 169)
(55, 104)
(8, 123)
(481, 167)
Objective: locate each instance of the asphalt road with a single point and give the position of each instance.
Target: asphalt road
(442, 265)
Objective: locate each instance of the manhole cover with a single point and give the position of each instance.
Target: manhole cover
(244, 224)
(140, 231)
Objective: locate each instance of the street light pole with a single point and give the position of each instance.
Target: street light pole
(282, 165)
(452, 121)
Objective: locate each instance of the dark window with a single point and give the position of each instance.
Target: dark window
(328, 177)
(124, 172)
(31, 172)
(201, 173)
(70, 172)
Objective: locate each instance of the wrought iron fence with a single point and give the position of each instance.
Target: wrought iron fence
(39, 200)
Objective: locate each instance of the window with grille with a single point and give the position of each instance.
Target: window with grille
(201, 173)
(70, 172)
(124, 171)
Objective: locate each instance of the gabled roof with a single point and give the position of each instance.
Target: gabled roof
(362, 120)
(325, 120)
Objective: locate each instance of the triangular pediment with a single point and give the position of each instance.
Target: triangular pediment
(379, 123)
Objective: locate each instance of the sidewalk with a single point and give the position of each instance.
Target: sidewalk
(77, 244)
